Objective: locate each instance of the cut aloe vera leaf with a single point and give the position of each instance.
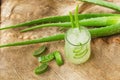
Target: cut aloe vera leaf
(41, 69)
(39, 51)
(58, 58)
(46, 58)
(81, 54)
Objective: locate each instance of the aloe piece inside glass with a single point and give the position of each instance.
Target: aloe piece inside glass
(77, 45)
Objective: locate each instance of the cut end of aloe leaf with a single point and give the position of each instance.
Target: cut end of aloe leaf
(41, 69)
(46, 58)
(39, 51)
(58, 58)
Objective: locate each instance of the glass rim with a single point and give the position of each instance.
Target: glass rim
(80, 43)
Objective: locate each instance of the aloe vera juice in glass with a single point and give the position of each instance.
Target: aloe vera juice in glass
(77, 45)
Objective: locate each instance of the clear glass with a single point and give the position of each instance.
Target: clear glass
(77, 45)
